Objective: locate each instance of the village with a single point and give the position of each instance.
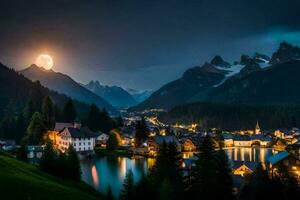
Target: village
(285, 144)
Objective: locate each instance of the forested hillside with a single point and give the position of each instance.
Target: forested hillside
(20, 98)
(233, 116)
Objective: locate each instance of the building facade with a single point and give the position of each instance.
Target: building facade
(81, 138)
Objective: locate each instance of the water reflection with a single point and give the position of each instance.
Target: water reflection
(95, 177)
(249, 154)
(100, 172)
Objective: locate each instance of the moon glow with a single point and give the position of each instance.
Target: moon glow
(45, 61)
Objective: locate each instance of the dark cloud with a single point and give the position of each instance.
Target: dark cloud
(118, 41)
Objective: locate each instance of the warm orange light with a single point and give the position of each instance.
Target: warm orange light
(95, 176)
(44, 60)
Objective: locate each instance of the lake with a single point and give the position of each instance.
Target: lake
(99, 172)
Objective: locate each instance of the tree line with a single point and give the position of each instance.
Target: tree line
(234, 116)
(65, 165)
(30, 125)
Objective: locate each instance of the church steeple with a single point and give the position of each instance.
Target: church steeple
(257, 128)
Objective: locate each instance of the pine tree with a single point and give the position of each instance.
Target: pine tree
(167, 170)
(69, 111)
(94, 118)
(166, 191)
(37, 95)
(141, 131)
(20, 127)
(48, 113)
(128, 191)
(28, 111)
(224, 177)
(6, 127)
(144, 188)
(203, 176)
(61, 166)
(73, 164)
(48, 159)
(113, 140)
(58, 114)
(35, 130)
(109, 195)
(105, 122)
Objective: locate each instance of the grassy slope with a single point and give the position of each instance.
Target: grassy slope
(20, 180)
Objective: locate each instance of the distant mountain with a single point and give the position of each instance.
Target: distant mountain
(254, 79)
(261, 58)
(218, 61)
(116, 96)
(250, 65)
(16, 90)
(139, 95)
(278, 84)
(286, 52)
(66, 85)
(181, 90)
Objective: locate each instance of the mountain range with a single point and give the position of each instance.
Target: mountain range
(116, 96)
(66, 85)
(256, 79)
(139, 95)
(16, 91)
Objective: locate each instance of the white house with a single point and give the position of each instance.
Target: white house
(81, 138)
(102, 139)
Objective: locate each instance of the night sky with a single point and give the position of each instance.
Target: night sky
(141, 44)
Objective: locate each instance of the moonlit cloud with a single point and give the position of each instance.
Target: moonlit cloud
(283, 34)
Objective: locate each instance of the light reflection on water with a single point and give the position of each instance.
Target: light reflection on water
(100, 172)
(249, 154)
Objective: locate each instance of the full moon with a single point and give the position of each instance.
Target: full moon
(45, 61)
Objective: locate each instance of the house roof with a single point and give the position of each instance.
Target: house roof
(60, 126)
(101, 133)
(183, 140)
(227, 136)
(261, 137)
(249, 164)
(278, 157)
(238, 137)
(83, 132)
